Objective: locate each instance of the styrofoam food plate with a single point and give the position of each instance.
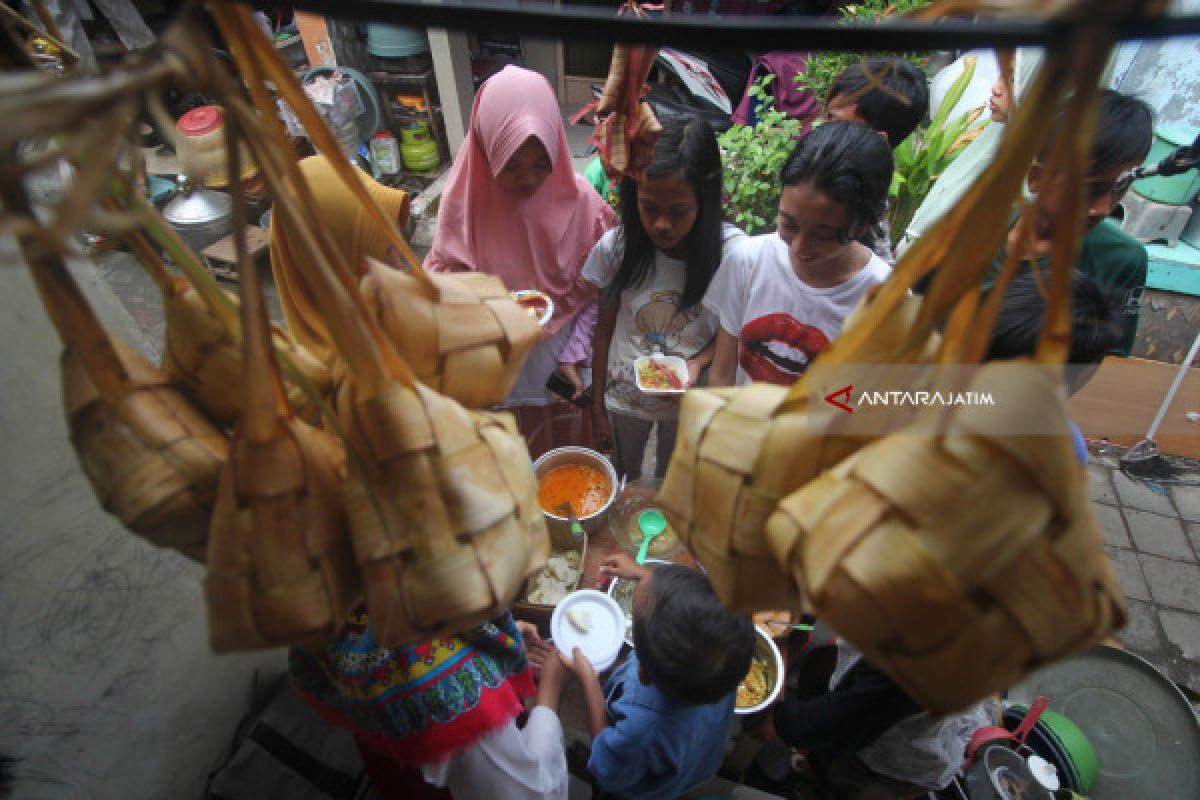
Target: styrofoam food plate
(602, 643)
(673, 363)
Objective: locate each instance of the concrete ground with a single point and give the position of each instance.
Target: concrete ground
(1153, 537)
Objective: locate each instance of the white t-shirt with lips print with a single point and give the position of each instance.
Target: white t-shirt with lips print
(648, 317)
(780, 321)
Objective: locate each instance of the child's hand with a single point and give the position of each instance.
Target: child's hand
(622, 565)
(601, 431)
(694, 368)
(572, 374)
(539, 653)
(529, 633)
(554, 671)
(580, 667)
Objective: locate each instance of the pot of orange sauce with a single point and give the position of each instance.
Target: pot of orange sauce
(581, 477)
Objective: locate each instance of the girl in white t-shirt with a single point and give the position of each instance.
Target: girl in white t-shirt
(653, 272)
(782, 297)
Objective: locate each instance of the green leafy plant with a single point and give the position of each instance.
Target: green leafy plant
(823, 68)
(753, 158)
(924, 155)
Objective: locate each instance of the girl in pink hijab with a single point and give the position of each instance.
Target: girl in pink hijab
(514, 207)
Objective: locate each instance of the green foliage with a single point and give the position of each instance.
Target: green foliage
(824, 67)
(924, 155)
(753, 158)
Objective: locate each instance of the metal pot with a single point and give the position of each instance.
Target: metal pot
(200, 216)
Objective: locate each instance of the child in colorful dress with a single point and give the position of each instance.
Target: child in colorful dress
(653, 271)
(782, 297)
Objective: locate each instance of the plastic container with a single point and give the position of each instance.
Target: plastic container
(200, 147)
(385, 153)
(393, 41)
(1176, 190)
(637, 497)
(1077, 746)
(673, 363)
(419, 151)
(606, 631)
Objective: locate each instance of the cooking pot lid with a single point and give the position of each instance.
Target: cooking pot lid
(198, 207)
(1146, 736)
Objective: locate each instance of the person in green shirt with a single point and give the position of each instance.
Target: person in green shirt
(1111, 257)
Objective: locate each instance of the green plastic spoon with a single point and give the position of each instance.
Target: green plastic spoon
(651, 523)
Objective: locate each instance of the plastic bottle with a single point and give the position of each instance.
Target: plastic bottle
(385, 153)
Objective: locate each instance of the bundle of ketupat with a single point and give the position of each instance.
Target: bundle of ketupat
(280, 563)
(462, 335)
(433, 505)
(956, 555)
(441, 501)
(739, 452)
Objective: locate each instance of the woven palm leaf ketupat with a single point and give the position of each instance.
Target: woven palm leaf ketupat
(441, 501)
(738, 452)
(206, 361)
(280, 563)
(151, 457)
(957, 563)
(964, 553)
(446, 523)
(462, 335)
(462, 343)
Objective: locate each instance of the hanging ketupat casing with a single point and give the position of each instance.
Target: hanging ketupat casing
(206, 361)
(445, 519)
(152, 458)
(739, 451)
(441, 501)
(280, 564)
(468, 342)
(958, 562)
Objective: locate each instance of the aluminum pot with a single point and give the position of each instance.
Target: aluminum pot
(200, 216)
(558, 526)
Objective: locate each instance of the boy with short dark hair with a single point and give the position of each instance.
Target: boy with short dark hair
(661, 722)
(1111, 257)
(889, 95)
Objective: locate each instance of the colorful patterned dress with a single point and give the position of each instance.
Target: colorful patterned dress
(417, 705)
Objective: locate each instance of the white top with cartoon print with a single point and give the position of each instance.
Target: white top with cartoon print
(648, 318)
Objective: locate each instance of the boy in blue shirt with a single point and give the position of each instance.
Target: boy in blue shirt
(660, 723)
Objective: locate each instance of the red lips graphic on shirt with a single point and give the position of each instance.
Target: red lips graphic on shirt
(777, 348)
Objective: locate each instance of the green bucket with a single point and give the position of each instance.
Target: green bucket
(1076, 745)
(1177, 190)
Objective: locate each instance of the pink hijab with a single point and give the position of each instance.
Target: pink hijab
(538, 242)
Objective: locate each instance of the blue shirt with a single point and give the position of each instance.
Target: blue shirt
(654, 746)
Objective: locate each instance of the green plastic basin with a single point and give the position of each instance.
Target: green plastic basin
(1076, 745)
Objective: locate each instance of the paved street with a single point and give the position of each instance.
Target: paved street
(1153, 537)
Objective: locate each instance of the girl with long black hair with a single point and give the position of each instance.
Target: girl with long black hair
(653, 271)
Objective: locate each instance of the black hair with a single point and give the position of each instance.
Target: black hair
(687, 145)
(849, 162)
(895, 110)
(690, 646)
(1124, 132)
(1097, 319)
